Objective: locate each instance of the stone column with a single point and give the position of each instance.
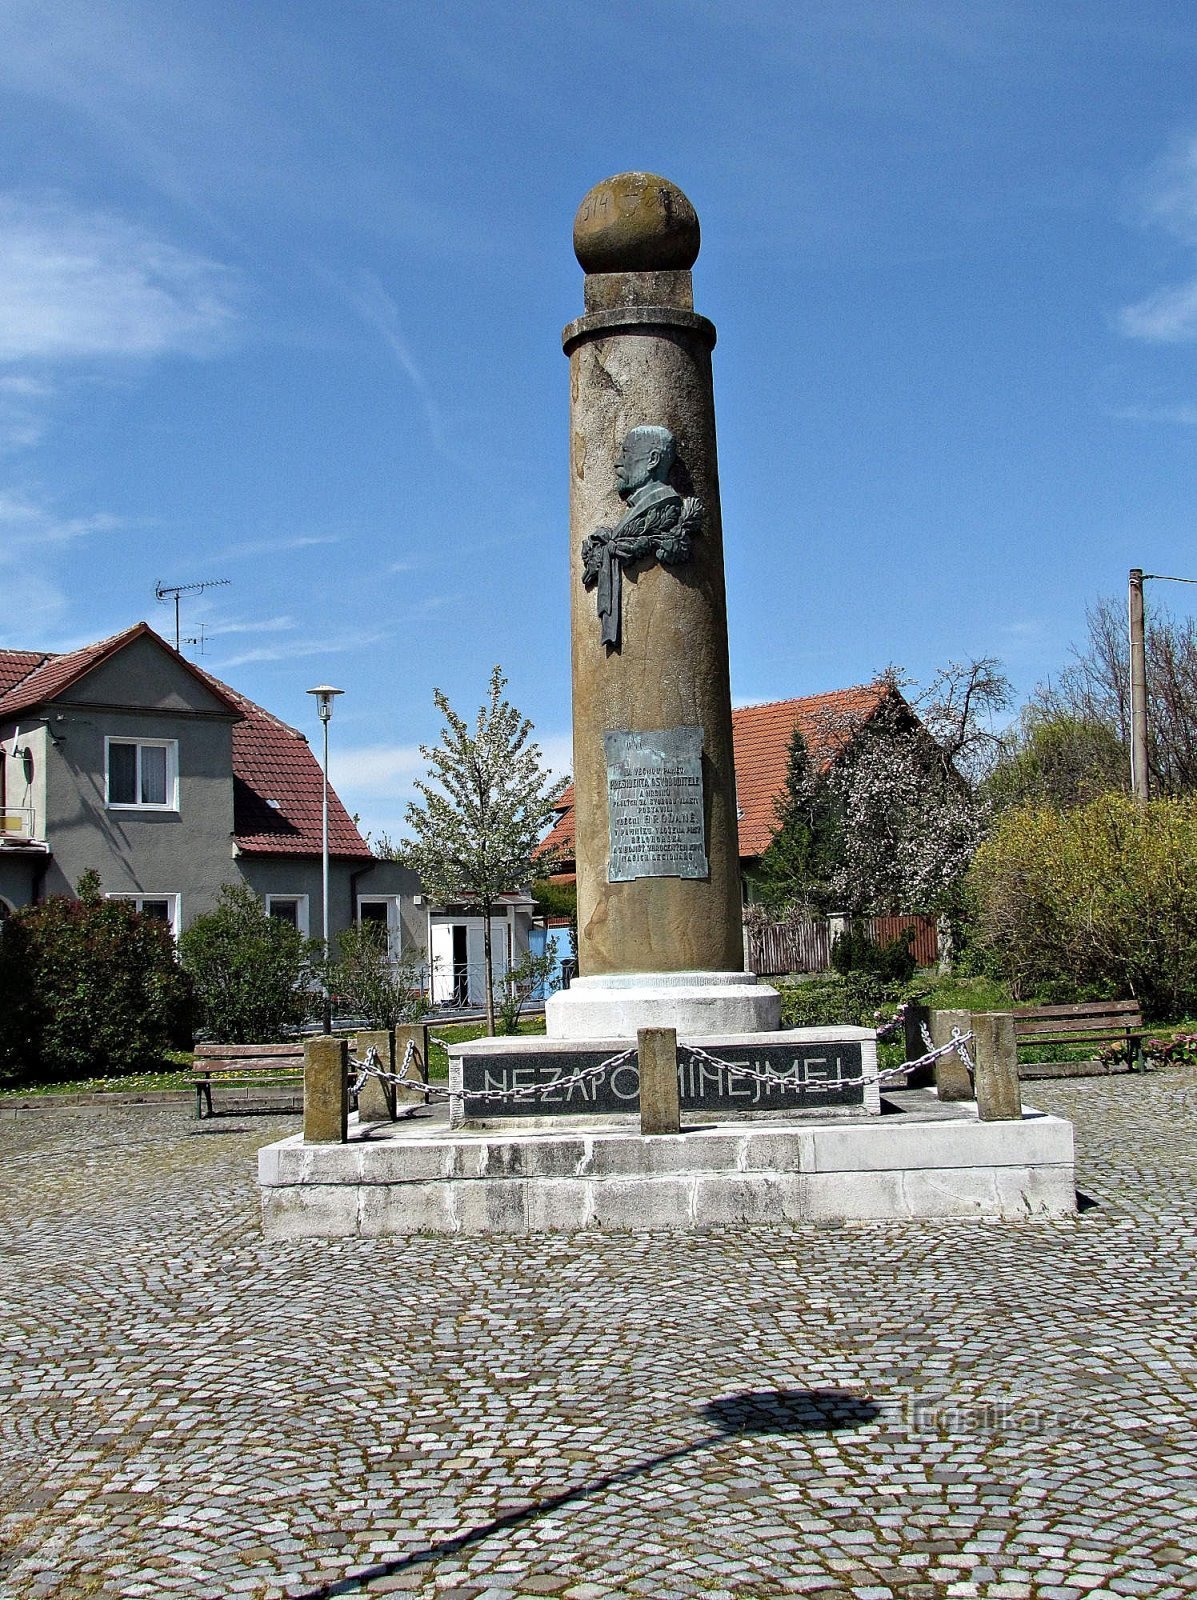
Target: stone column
(325, 1090)
(640, 358)
(376, 1098)
(995, 1051)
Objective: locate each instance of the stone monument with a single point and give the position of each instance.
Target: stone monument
(659, 899)
(762, 1125)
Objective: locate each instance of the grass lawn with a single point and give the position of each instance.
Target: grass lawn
(458, 1033)
(173, 1074)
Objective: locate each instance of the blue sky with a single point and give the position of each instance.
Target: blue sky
(281, 292)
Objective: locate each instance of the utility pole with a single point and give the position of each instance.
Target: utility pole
(1138, 688)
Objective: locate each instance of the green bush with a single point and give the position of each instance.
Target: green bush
(370, 984)
(855, 999)
(250, 971)
(1096, 902)
(856, 951)
(532, 978)
(88, 985)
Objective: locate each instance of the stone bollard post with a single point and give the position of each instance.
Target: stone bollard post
(415, 1034)
(912, 1023)
(376, 1099)
(660, 1102)
(952, 1081)
(995, 1052)
(325, 1090)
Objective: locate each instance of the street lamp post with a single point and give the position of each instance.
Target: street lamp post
(324, 707)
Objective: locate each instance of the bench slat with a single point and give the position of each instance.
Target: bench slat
(1028, 1029)
(220, 1052)
(1089, 1008)
(220, 1069)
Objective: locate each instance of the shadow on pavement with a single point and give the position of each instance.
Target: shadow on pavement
(750, 1412)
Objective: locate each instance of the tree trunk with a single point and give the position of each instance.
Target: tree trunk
(489, 974)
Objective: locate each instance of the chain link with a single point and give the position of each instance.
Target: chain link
(372, 1067)
(959, 1040)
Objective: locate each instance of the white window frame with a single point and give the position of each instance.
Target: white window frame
(394, 922)
(301, 909)
(174, 904)
(171, 746)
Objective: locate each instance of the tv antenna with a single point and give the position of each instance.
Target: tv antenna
(200, 639)
(164, 591)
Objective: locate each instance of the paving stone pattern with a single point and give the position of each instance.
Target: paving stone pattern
(905, 1410)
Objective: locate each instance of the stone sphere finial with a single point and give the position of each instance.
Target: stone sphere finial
(636, 222)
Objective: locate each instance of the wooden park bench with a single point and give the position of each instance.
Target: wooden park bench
(1096, 1022)
(244, 1066)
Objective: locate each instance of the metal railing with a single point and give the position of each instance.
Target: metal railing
(17, 824)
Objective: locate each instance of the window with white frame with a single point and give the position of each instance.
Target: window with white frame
(292, 908)
(162, 907)
(142, 774)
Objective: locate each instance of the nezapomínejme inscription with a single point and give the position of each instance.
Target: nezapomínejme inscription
(812, 1075)
(655, 805)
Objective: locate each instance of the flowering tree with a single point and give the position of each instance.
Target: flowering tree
(909, 823)
(486, 805)
(891, 819)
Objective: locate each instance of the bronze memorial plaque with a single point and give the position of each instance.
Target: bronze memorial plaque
(654, 805)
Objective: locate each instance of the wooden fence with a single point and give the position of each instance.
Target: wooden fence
(805, 945)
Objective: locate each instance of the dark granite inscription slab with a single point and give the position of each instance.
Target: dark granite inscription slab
(802, 1077)
(654, 805)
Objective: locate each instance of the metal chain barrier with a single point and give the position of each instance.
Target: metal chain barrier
(372, 1067)
(891, 1074)
(959, 1040)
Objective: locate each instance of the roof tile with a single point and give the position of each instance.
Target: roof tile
(277, 781)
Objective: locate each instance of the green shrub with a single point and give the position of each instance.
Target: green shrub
(1096, 902)
(88, 985)
(856, 951)
(372, 985)
(531, 978)
(250, 971)
(855, 999)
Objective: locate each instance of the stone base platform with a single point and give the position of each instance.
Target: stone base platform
(697, 1004)
(923, 1159)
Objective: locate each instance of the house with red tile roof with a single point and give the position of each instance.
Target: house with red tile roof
(126, 758)
(761, 737)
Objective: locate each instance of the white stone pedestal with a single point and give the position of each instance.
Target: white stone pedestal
(926, 1160)
(697, 1004)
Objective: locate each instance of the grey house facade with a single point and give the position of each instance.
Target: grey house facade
(127, 759)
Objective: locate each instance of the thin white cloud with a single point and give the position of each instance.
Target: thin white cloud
(379, 771)
(299, 649)
(273, 547)
(27, 524)
(33, 535)
(380, 312)
(557, 751)
(253, 625)
(1169, 315)
(80, 285)
(1183, 416)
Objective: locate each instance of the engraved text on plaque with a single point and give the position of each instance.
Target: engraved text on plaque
(654, 805)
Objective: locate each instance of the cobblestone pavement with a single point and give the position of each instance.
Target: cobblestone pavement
(906, 1410)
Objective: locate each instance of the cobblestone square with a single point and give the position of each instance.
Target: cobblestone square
(881, 1410)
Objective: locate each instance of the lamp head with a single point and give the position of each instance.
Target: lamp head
(324, 700)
